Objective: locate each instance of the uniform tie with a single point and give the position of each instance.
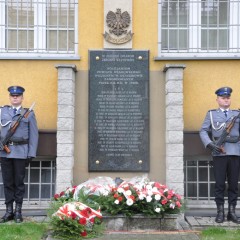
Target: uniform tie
(14, 111)
(225, 113)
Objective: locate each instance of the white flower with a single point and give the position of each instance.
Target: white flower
(120, 190)
(148, 187)
(105, 193)
(165, 190)
(116, 201)
(157, 209)
(157, 197)
(141, 196)
(172, 205)
(129, 202)
(128, 192)
(149, 192)
(138, 186)
(148, 198)
(155, 189)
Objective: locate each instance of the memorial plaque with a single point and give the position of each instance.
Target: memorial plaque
(119, 110)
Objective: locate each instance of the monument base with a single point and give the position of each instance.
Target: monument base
(141, 222)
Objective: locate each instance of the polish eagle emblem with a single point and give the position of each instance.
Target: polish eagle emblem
(117, 22)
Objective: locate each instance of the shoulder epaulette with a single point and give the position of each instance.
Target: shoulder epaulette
(5, 106)
(212, 110)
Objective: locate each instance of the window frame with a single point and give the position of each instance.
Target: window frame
(40, 41)
(194, 38)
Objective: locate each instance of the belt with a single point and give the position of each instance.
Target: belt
(11, 143)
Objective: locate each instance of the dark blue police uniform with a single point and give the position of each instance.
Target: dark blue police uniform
(23, 147)
(226, 164)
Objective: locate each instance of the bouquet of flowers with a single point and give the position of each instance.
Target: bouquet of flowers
(75, 220)
(139, 195)
(66, 195)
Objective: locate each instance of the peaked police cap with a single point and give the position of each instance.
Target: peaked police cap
(224, 91)
(16, 90)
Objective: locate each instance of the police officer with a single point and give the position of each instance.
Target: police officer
(23, 147)
(226, 162)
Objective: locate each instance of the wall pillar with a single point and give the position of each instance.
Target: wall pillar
(174, 127)
(65, 126)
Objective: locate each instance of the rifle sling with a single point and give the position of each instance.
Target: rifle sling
(229, 139)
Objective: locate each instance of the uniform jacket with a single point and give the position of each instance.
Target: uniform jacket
(218, 119)
(27, 130)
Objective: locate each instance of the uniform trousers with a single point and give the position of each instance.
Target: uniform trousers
(13, 174)
(226, 168)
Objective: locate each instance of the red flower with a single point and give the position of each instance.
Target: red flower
(82, 221)
(120, 199)
(73, 191)
(62, 193)
(84, 233)
(92, 220)
(178, 204)
(132, 197)
(56, 196)
(115, 195)
(73, 215)
(169, 196)
(178, 196)
(164, 201)
(89, 210)
(84, 213)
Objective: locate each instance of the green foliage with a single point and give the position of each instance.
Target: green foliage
(23, 231)
(72, 219)
(129, 200)
(68, 228)
(216, 233)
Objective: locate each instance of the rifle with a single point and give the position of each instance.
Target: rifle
(12, 130)
(225, 133)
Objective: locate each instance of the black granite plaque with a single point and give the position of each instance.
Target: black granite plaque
(119, 110)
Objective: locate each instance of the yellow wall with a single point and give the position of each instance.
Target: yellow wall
(39, 80)
(201, 80)
(39, 77)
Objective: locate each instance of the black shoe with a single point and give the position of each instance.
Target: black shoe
(18, 213)
(7, 217)
(18, 217)
(220, 214)
(232, 215)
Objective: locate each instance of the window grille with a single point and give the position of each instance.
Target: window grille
(199, 28)
(199, 182)
(39, 183)
(38, 27)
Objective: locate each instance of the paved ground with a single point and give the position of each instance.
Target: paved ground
(190, 228)
(184, 233)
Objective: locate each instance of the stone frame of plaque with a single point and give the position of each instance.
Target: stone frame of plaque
(118, 111)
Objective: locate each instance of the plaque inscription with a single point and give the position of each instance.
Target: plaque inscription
(118, 110)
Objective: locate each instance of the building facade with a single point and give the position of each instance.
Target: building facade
(194, 49)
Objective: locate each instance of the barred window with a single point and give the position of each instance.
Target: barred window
(38, 27)
(199, 28)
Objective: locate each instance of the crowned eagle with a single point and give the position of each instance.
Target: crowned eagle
(118, 21)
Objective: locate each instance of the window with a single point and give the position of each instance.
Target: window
(199, 28)
(38, 28)
(199, 182)
(39, 183)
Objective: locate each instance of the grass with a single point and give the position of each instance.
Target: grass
(23, 231)
(37, 231)
(220, 234)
